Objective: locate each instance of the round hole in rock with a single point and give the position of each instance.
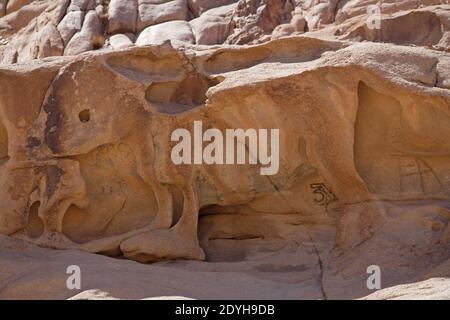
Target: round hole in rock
(85, 115)
(35, 226)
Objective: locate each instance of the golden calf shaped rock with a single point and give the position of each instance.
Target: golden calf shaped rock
(93, 152)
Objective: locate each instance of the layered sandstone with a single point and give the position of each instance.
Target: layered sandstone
(91, 92)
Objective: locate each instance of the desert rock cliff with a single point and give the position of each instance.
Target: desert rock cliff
(92, 91)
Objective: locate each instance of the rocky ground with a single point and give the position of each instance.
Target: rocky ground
(92, 89)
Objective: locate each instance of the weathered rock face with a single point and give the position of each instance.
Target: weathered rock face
(86, 139)
(37, 29)
(76, 169)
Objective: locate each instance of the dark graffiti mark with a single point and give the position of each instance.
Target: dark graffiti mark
(324, 195)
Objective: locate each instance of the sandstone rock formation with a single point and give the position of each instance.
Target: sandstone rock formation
(92, 90)
(38, 29)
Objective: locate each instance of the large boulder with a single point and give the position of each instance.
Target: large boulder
(198, 7)
(157, 11)
(50, 42)
(71, 24)
(213, 26)
(120, 41)
(89, 37)
(122, 16)
(173, 31)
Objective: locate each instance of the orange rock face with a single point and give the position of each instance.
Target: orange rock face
(92, 92)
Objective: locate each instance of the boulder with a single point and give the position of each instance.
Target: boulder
(70, 24)
(50, 42)
(122, 16)
(156, 11)
(173, 31)
(88, 38)
(120, 41)
(198, 7)
(81, 5)
(214, 26)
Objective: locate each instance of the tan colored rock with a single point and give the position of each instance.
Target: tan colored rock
(267, 268)
(432, 289)
(2, 8)
(101, 295)
(29, 272)
(93, 295)
(321, 14)
(256, 19)
(283, 30)
(168, 89)
(229, 22)
(50, 42)
(354, 8)
(173, 31)
(122, 16)
(210, 30)
(89, 37)
(14, 5)
(397, 29)
(81, 5)
(79, 43)
(156, 11)
(22, 18)
(299, 23)
(214, 26)
(198, 7)
(86, 162)
(22, 31)
(120, 41)
(70, 24)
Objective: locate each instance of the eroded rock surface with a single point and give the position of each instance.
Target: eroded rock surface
(363, 118)
(37, 29)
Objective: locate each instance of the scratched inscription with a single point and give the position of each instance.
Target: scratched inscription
(323, 195)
